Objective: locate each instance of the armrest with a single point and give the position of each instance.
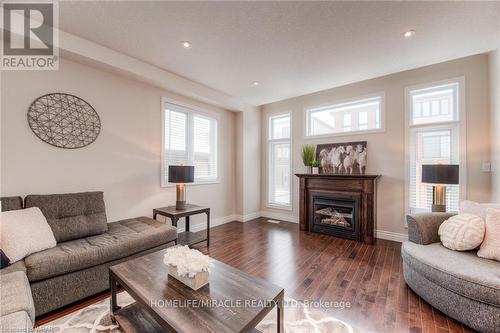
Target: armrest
(423, 228)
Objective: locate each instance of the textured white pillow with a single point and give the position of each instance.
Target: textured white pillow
(24, 232)
(476, 208)
(462, 232)
(490, 248)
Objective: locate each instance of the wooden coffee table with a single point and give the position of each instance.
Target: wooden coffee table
(233, 301)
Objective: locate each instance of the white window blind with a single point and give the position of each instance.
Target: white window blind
(190, 138)
(356, 116)
(279, 169)
(434, 139)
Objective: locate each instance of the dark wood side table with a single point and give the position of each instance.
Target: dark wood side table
(187, 237)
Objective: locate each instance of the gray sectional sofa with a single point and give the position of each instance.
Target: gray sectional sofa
(460, 284)
(78, 266)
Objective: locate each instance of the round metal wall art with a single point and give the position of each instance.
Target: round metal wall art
(64, 121)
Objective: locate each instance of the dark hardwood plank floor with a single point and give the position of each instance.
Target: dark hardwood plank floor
(315, 267)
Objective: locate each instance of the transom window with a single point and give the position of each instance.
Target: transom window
(434, 104)
(434, 130)
(354, 116)
(279, 167)
(189, 138)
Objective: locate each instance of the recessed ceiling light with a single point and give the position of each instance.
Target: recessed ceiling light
(186, 44)
(255, 83)
(408, 33)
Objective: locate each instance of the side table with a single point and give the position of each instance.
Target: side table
(187, 237)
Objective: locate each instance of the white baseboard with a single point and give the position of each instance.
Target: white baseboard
(280, 216)
(381, 234)
(194, 227)
(389, 235)
(247, 217)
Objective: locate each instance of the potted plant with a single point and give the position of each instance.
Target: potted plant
(315, 167)
(308, 155)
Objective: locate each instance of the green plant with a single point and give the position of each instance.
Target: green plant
(315, 164)
(308, 154)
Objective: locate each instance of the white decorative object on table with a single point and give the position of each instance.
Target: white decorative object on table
(189, 266)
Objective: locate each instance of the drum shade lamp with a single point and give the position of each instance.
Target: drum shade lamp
(180, 174)
(440, 174)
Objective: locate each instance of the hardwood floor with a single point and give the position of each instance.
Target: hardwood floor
(315, 267)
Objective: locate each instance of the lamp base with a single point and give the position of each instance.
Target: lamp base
(438, 199)
(438, 208)
(180, 205)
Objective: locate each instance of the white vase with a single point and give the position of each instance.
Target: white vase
(308, 169)
(315, 170)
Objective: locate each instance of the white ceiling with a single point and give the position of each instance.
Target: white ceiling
(292, 48)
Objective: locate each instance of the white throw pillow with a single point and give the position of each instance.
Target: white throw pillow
(490, 248)
(462, 232)
(24, 232)
(476, 208)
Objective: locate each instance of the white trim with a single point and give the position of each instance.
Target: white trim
(247, 217)
(389, 235)
(194, 227)
(380, 234)
(280, 216)
(269, 143)
(308, 109)
(193, 109)
(462, 133)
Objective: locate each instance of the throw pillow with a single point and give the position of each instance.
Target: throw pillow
(462, 232)
(476, 208)
(24, 232)
(490, 248)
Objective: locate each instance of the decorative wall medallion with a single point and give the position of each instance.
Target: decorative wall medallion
(64, 120)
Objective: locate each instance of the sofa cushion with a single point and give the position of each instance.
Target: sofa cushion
(72, 215)
(123, 238)
(16, 322)
(16, 294)
(463, 273)
(11, 203)
(17, 266)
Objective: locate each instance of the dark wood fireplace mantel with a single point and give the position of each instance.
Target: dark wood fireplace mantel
(360, 191)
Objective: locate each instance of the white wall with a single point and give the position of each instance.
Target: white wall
(494, 58)
(386, 151)
(124, 161)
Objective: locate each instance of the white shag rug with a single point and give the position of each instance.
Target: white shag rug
(298, 319)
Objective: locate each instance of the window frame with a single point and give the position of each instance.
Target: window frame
(270, 142)
(458, 125)
(193, 110)
(311, 108)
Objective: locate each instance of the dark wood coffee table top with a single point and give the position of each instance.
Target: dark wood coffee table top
(146, 280)
(190, 209)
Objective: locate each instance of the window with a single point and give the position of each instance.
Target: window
(434, 130)
(354, 116)
(189, 138)
(279, 170)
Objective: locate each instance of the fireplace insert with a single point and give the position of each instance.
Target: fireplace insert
(335, 216)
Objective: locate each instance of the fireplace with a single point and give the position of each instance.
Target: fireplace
(340, 205)
(335, 216)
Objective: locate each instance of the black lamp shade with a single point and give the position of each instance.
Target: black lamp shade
(440, 174)
(180, 174)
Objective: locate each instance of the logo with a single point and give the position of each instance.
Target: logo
(30, 36)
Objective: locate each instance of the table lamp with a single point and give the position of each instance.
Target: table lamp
(439, 174)
(180, 174)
